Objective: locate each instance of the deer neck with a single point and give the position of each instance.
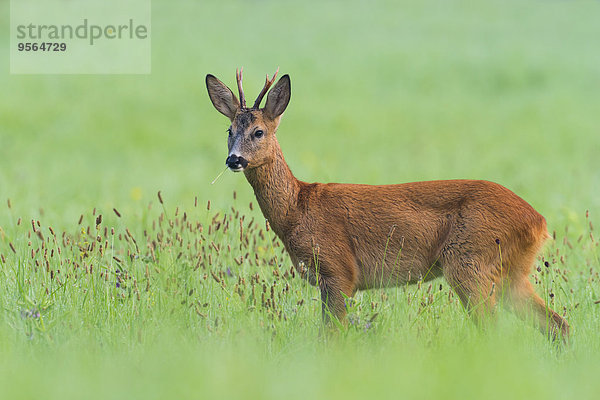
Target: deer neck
(276, 190)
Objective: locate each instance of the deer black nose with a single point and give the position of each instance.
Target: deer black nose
(236, 163)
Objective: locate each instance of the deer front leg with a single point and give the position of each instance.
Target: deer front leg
(333, 290)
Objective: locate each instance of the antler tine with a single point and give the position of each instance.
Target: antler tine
(265, 89)
(238, 76)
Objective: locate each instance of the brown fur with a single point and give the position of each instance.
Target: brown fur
(351, 237)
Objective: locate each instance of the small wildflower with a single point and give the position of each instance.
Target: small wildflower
(33, 313)
(348, 303)
(353, 319)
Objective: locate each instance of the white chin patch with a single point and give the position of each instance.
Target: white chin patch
(237, 169)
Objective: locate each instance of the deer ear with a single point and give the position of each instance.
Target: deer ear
(279, 97)
(222, 97)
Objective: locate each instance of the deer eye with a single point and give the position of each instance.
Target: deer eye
(258, 133)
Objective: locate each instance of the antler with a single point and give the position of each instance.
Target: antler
(238, 76)
(265, 89)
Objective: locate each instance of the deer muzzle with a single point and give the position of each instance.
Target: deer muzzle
(236, 163)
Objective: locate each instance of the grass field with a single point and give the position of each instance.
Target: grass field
(175, 300)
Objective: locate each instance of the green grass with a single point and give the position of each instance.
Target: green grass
(381, 93)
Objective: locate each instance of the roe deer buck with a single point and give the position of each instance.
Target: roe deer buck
(479, 235)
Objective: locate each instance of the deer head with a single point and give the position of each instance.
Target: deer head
(251, 141)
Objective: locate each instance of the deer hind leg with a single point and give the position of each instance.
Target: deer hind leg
(475, 287)
(527, 304)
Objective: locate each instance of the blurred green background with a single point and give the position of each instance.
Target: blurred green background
(382, 92)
